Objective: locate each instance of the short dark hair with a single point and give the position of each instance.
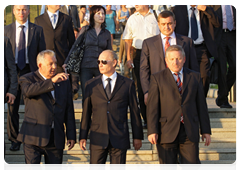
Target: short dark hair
(93, 10)
(165, 14)
(82, 6)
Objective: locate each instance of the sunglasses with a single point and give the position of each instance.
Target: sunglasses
(104, 62)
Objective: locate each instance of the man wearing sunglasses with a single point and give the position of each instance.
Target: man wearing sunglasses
(106, 102)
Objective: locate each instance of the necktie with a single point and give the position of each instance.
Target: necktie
(21, 49)
(179, 84)
(229, 17)
(194, 26)
(108, 88)
(54, 20)
(167, 44)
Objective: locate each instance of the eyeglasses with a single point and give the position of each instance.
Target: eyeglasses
(103, 61)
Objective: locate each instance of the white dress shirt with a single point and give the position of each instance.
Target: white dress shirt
(180, 75)
(18, 31)
(113, 78)
(197, 14)
(141, 27)
(172, 40)
(51, 18)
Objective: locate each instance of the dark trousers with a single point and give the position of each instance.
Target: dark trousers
(203, 56)
(52, 155)
(13, 116)
(188, 151)
(136, 62)
(226, 54)
(85, 75)
(99, 156)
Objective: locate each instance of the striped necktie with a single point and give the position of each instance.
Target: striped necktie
(179, 84)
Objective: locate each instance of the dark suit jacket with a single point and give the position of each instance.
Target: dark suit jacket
(60, 39)
(73, 14)
(165, 105)
(109, 116)
(208, 20)
(41, 109)
(36, 41)
(218, 31)
(153, 59)
(10, 71)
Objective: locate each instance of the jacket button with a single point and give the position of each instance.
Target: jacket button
(108, 102)
(107, 112)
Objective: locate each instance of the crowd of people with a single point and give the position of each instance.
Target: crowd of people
(166, 48)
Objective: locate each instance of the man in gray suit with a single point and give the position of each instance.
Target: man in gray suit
(27, 41)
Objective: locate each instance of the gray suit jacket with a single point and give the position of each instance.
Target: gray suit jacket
(10, 71)
(41, 109)
(165, 105)
(36, 41)
(153, 58)
(73, 14)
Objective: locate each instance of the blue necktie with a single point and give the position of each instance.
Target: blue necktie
(54, 20)
(21, 49)
(229, 17)
(194, 26)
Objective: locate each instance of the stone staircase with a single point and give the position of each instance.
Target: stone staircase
(222, 150)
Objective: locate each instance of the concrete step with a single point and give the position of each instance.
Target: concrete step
(134, 165)
(132, 155)
(216, 133)
(215, 123)
(213, 113)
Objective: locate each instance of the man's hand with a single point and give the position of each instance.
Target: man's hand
(11, 98)
(70, 144)
(145, 98)
(60, 77)
(137, 144)
(82, 144)
(201, 7)
(208, 139)
(153, 138)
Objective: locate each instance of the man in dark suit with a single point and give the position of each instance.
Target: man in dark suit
(153, 50)
(106, 107)
(27, 41)
(225, 38)
(10, 73)
(58, 32)
(176, 107)
(48, 105)
(198, 22)
(72, 11)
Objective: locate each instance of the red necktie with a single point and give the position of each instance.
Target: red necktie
(167, 44)
(179, 84)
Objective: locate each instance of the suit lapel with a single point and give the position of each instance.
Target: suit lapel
(118, 84)
(159, 47)
(179, 40)
(12, 37)
(60, 19)
(186, 78)
(47, 19)
(31, 30)
(172, 82)
(100, 87)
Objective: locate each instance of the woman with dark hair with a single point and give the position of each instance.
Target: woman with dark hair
(97, 39)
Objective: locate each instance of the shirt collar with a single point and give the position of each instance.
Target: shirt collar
(50, 14)
(42, 75)
(180, 72)
(25, 24)
(189, 7)
(172, 35)
(113, 76)
(150, 11)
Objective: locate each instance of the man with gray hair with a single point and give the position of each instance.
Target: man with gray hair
(48, 105)
(176, 109)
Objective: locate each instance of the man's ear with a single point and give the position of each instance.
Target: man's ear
(115, 63)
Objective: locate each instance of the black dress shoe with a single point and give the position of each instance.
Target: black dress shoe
(224, 104)
(15, 146)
